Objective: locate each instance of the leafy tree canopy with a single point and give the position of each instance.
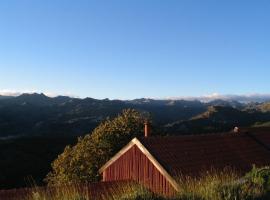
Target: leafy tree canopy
(81, 162)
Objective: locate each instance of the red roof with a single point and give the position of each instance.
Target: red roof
(189, 155)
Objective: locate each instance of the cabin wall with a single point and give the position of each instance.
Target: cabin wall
(134, 165)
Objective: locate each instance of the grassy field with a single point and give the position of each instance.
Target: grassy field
(225, 185)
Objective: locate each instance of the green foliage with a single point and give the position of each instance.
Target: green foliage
(254, 186)
(81, 162)
(231, 191)
(257, 181)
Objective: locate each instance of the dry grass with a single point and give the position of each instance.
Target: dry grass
(100, 191)
(211, 185)
(205, 186)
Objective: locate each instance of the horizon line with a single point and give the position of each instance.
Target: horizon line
(249, 97)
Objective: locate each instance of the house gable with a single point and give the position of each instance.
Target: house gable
(135, 145)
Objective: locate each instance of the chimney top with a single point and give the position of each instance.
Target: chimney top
(146, 129)
(236, 129)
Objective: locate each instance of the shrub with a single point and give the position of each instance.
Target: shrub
(81, 162)
(231, 191)
(257, 182)
(254, 185)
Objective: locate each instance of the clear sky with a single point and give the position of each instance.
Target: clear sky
(135, 48)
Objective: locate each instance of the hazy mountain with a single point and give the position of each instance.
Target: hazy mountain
(258, 107)
(231, 97)
(218, 119)
(5, 97)
(264, 107)
(38, 114)
(34, 99)
(228, 103)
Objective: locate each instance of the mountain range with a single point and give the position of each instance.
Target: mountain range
(40, 115)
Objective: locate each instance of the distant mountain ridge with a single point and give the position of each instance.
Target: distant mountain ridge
(6, 97)
(244, 98)
(260, 98)
(38, 114)
(219, 119)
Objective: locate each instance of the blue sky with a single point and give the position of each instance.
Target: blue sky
(135, 48)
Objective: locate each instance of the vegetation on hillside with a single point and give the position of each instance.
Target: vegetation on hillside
(37, 114)
(265, 107)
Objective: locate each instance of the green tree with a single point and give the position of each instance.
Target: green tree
(81, 162)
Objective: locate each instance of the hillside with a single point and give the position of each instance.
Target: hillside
(26, 159)
(37, 114)
(265, 107)
(218, 119)
(5, 97)
(34, 128)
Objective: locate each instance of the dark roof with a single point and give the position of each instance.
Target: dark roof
(190, 155)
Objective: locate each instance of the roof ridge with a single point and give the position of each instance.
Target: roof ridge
(258, 141)
(195, 135)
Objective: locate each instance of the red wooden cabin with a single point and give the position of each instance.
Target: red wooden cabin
(155, 162)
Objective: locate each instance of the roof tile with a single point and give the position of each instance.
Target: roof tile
(190, 155)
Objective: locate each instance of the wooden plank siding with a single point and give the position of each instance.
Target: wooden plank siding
(134, 165)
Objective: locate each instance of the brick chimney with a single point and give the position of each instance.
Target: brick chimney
(147, 129)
